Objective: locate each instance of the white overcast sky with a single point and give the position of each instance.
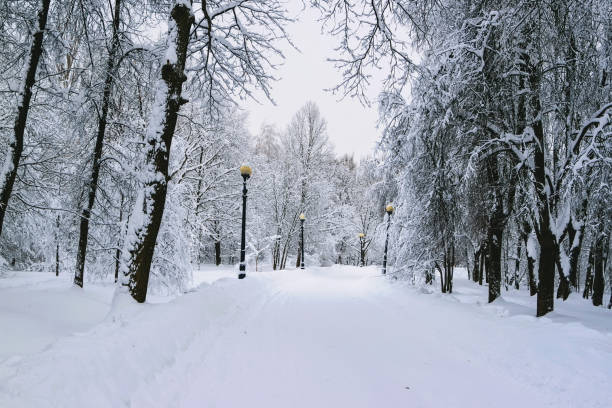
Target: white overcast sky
(304, 76)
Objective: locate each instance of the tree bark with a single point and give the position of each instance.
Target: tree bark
(517, 264)
(588, 279)
(149, 207)
(483, 261)
(57, 245)
(546, 239)
(576, 237)
(546, 271)
(598, 267)
(217, 253)
(495, 230)
(476, 265)
(15, 147)
(494, 264)
(533, 287)
(442, 283)
(118, 250)
(97, 155)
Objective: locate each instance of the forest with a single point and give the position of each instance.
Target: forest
(158, 250)
(122, 135)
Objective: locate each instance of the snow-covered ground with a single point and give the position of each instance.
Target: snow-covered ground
(323, 337)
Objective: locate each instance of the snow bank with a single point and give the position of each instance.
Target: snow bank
(103, 366)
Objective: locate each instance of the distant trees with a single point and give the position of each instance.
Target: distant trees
(296, 172)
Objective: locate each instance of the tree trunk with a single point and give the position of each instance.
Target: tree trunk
(546, 239)
(598, 267)
(546, 271)
(57, 262)
(483, 261)
(588, 280)
(15, 147)
(475, 272)
(442, 283)
(517, 264)
(118, 250)
(563, 290)
(284, 254)
(149, 207)
(494, 249)
(97, 155)
(217, 253)
(276, 251)
(298, 258)
(533, 287)
(467, 263)
(576, 236)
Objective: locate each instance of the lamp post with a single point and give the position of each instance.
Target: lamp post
(302, 219)
(389, 209)
(361, 249)
(245, 172)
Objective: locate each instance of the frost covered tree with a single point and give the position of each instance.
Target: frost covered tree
(502, 99)
(24, 97)
(230, 45)
(102, 113)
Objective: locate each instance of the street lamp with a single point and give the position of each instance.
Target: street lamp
(302, 219)
(362, 248)
(389, 209)
(245, 172)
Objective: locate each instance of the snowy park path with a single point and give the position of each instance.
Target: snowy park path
(346, 337)
(323, 337)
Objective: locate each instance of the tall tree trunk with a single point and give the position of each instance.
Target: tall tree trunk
(576, 237)
(494, 263)
(149, 206)
(57, 245)
(450, 268)
(563, 290)
(533, 287)
(97, 155)
(284, 254)
(276, 250)
(546, 239)
(598, 267)
(495, 230)
(475, 272)
(15, 147)
(299, 256)
(517, 264)
(588, 279)
(118, 250)
(483, 262)
(442, 283)
(217, 253)
(467, 263)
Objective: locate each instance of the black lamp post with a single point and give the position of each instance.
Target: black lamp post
(389, 209)
(302, 219)
(361, 249)
(245, 172)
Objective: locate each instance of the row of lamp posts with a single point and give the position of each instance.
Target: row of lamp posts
(245, 172)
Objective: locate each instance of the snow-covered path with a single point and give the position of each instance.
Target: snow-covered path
(346, 337)
(324, 337)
